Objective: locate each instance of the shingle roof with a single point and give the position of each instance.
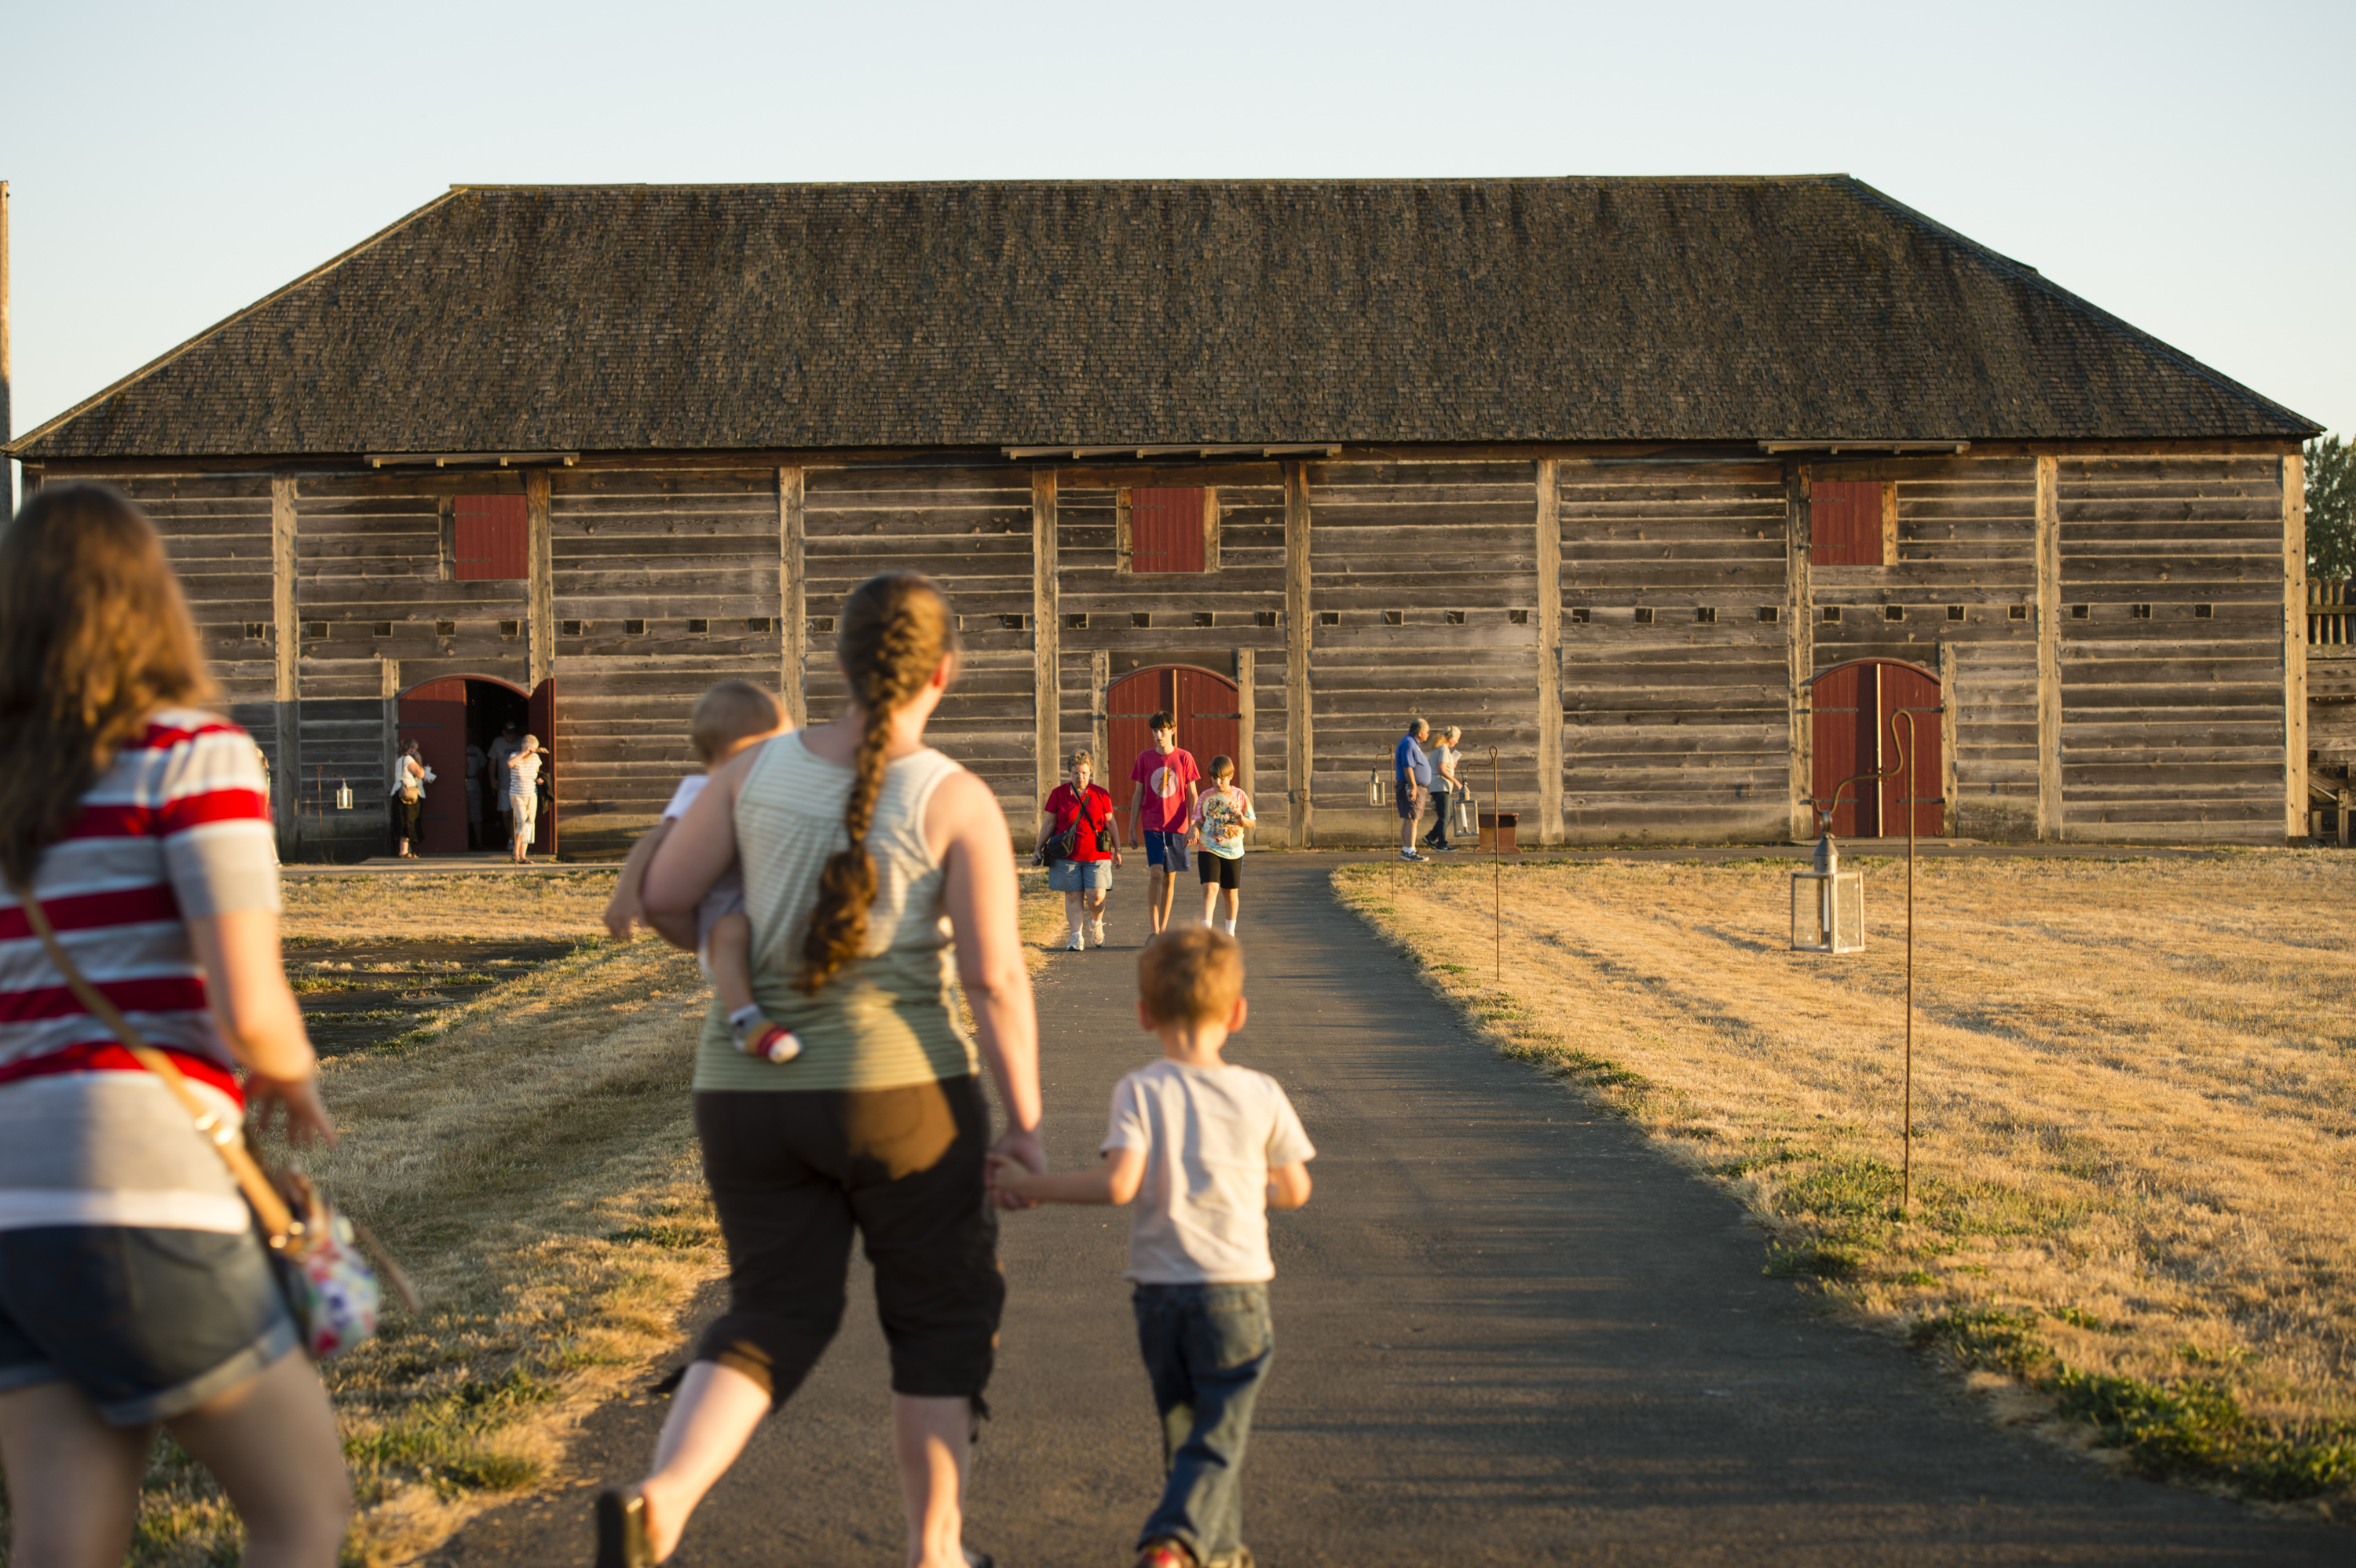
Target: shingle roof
(636, 318)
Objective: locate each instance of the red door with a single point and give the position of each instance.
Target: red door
(434, 716)
(1209, 715)
(1856, 731)
(543, 720)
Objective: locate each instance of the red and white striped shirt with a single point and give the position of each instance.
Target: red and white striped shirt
(178, 826)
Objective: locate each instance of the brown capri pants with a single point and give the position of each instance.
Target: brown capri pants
(794, 1173)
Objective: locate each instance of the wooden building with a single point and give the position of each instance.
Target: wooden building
(1669, 489)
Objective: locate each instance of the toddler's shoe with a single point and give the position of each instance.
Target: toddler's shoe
(1164, 1555)
(777, 1044)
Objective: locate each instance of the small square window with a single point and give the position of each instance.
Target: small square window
(446, 628)
(1517, 617)
(1141, 617)
(1644, 615)
(1078, 623)
(1954, 612)
(1203, 617)
(1578, 614)
(757, 622)
(511, 628)
(634, 628)
(699, 628)
(1707, 616)
(1329, 618)
(1263, 617)
(315, 628)
(253, 631)
(2016, 611)
(1009, 622)
(1769, 613)
(568, 628)
(2204, 612)
(1394, 617)
(2078, 612)
(2139, 612)
(380, 629)
(1454, 617)
(826, 623)
(1893, 611)
(1832, 614)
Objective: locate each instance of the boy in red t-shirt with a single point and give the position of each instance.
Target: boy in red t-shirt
(1160, 813)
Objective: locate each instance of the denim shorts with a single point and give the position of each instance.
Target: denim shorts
(1166, 850)
(1079, 876)
(149, 1322)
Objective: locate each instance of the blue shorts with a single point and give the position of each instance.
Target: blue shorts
(1167, 850)
(1079, 876)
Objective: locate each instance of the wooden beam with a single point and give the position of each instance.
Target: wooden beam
(2294, 643)
(793, 605)
(287, 664)
(1800, 648)
(388, 671)
(1046, 622)
(2049, 652)
(1300, 751)
(1549, 522)
(1211, 530)
(1100, 718)
(1949, 699)
(540, 629)
(1889, 522)
(1247, 701)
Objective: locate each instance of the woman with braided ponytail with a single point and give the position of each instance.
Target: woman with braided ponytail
(876, 871)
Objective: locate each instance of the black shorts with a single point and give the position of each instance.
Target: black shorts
(794, 1173)
(1219, 869)
(149, 1322)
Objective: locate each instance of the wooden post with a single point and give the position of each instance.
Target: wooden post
(7, 378)
(1947, 704)
(389, 670)
(1800, 648)
(1046, 621)
(1549, 656)
(286, 663)
(1100, 718)
(793, 604)
(1247, 701)
(1300, 752)
(540, 631)
(2049, 649)
(2294, 528)
(1211, 529)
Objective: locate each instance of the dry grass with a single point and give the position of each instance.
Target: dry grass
(484, 905)
(2134, 1107)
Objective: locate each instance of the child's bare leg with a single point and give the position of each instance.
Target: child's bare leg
(1233, 898)
(728, 950)
(1210, 898)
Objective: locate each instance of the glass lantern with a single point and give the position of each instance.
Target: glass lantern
(343, 795)
(1467, 822)
(1827, 903)
(1373, 786)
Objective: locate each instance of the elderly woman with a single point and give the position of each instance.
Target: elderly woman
(523, 796)
(134, 1293)
(1445, 786)
(1083, 875)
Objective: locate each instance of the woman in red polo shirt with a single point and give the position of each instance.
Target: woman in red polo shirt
(1083, 875)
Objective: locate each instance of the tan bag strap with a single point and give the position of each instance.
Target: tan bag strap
(277, 1220)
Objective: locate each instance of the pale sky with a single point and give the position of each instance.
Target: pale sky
(2186, 168)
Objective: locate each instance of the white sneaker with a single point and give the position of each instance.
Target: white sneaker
(1095, 933)
(1075, 945)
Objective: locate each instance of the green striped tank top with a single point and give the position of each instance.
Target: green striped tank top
(886, 1020)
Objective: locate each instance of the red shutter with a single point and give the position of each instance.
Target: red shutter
(1844, 523)
(1165, 530)
(494, 540)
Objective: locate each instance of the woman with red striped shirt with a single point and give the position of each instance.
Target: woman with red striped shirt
(133, 1291)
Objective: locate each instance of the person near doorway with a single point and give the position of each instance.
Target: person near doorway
(1221, 815)
(1410, 781)
(502, 749)
(476, 762)
(1445, 786)
(1160, 811)
(410, 777)
(523, 798)
(1083, 873)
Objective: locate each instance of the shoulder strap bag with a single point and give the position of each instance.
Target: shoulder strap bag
(315, 1251)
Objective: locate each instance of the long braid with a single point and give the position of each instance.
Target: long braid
(896, 630)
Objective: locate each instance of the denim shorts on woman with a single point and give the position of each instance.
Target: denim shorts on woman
(1079, 876)
(150, 1323)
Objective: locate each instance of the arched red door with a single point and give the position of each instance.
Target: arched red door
(1208, 710)
(442, 716)
(1856, 731)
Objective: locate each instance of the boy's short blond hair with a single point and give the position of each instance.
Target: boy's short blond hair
(731, 711)
(1190, 975)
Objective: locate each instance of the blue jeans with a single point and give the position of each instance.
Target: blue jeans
(1207, 1349)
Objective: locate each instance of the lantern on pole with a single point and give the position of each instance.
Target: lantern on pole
(1373, 786)
(343, 795)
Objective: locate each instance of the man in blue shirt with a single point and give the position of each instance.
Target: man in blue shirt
(1410, 782)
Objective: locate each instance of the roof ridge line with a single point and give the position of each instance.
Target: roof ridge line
(1206, 180)
(2071, 300)
(170, 355)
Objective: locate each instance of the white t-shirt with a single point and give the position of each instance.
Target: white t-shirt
(684, 795)
(1210, 1135)
(727, 894)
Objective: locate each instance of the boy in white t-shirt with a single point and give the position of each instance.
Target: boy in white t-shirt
(727, 719)
(1207, 1149)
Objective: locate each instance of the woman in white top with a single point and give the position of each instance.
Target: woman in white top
(410, 777)
(523, 796)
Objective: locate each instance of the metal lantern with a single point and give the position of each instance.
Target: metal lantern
(1467, 821)
(1373, 786)
(343, 795)
(1827, 903)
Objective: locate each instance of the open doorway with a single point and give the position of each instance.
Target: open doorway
(462, 718)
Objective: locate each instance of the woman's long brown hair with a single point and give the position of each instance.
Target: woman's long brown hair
(94, 636)
(894, 632)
